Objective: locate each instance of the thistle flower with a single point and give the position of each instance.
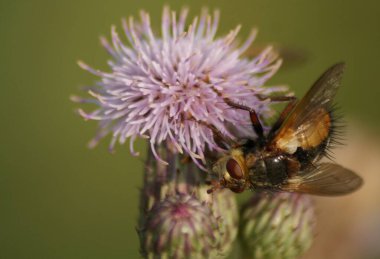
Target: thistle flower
(279, 225)
(162, 85)
(171, 88)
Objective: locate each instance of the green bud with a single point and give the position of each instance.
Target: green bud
(181, 226)
(278, 225)
(178, 219)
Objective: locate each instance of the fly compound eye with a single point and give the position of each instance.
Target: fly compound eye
(234, 169)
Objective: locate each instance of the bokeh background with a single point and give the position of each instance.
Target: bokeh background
(59, 199)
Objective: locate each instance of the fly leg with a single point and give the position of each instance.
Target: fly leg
(220, 139)
(256, 124)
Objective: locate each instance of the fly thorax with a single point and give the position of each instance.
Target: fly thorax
(269, 170)
(276, 169)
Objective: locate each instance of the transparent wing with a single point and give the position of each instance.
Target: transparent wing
(326, 179)
(310, 119)
(292, 56)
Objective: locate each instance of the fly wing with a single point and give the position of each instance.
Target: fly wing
(292, 56)
(309, 123)
(326, 179)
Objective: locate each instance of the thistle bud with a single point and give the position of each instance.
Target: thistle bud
(276, 225)
(178, 219)
(181, 226)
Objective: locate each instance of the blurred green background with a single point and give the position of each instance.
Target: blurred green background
(60, 200)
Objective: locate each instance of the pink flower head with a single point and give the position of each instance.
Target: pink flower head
(161, 85)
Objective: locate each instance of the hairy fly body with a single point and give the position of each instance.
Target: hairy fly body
(288, 157)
